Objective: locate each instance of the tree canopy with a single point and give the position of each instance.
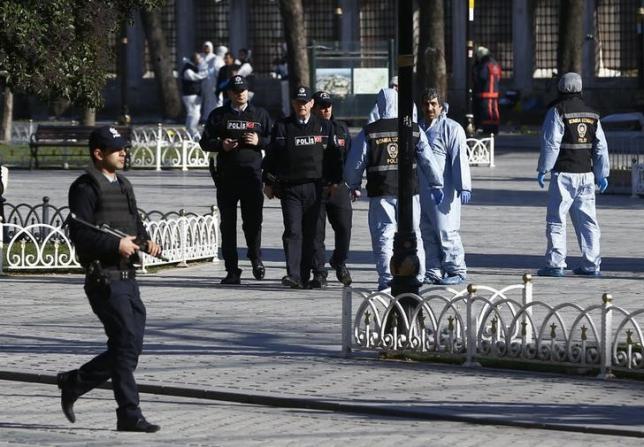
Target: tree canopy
(59, 48)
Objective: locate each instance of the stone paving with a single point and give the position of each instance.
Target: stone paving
(261, 340)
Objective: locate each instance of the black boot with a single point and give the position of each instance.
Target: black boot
(291, 282)
(318, 282)
(258, 268)
(342, 273)
(233, 277)
(67, 396)
(140, 425)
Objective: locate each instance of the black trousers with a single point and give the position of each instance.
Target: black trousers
(338, 210)
(120, 309)
(244, 188)
(301, 212)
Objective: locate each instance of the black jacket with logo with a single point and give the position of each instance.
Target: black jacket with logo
(301, 153)
(224, 122)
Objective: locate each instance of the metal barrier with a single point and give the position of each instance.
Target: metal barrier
(481, 322)
(480, 151)
(625, 151)
(34, 238)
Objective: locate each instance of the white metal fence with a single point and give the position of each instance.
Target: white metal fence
(480, 151)
(507, 324)
(160, 146)
(35, 239)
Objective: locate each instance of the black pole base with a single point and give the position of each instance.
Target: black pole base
(405, 267)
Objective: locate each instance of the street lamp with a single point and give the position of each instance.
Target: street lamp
(469, 31)
(404, 262)
(124, 119)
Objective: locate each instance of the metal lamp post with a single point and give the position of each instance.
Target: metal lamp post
(404, 262)
(124, 119)
(469, 31)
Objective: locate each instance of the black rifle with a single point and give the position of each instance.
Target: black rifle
(104, 228)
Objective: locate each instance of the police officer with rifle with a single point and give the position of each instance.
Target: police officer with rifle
(103, 197)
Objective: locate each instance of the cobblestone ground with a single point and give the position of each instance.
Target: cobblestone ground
(262, 340)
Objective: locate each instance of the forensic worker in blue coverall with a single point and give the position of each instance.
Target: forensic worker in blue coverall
(375, 149)
(440, 224)
(574, 150)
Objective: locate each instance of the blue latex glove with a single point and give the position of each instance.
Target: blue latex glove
(541, 179)
(465, 197)
(437, 194)
(603, 184)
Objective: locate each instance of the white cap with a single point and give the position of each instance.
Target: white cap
(570, 83)
(221, 50)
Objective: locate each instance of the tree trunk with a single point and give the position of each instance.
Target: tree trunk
(7, 115)
(432, 68)
(89, 116)
(571, 36)
(295, 36)
(162, 63)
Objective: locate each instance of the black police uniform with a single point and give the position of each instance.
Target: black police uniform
(113, 294)
(300, 160)
(238, 177)
(338, 209)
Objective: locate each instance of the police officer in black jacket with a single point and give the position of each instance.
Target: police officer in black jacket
(301, 159)
(101, 196)
(337, 208)
(237, 132)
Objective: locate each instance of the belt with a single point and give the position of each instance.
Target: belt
(118, 275)
(121, 275)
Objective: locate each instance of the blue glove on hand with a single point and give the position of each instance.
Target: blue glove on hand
(438, 195)
(465, 197)
(541, 179)
(603, 184)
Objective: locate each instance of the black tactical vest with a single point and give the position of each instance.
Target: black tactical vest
(234, 125)
(304, 155)
(580, 121)
(382, 159)
(116, 205)
(190, 87)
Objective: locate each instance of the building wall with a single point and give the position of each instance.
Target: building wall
(521, 34)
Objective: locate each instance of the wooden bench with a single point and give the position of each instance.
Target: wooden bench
(66, 136)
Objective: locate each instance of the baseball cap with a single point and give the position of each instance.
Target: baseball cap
(302, 93)
(106, 137)
(322, 99)
(238, 84)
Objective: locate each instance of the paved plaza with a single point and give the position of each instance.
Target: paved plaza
(259, 364)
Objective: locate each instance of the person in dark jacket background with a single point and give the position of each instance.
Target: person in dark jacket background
(238, 132)
(302, 159)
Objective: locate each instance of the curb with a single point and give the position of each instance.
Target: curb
(325, 405)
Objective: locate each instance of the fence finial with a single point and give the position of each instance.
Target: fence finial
(607, 298)
(471, 288)
(527, 277)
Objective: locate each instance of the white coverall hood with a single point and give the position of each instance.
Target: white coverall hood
(387, 103)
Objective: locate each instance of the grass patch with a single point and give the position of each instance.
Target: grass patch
(18, 155)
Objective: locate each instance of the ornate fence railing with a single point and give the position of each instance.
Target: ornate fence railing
(480, 151)
(506, 324)
(153, 147)
(34, 238)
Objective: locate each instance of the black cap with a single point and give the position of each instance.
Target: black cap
(302, 93)
(237, 84)
(106, 137)
(322, 99)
